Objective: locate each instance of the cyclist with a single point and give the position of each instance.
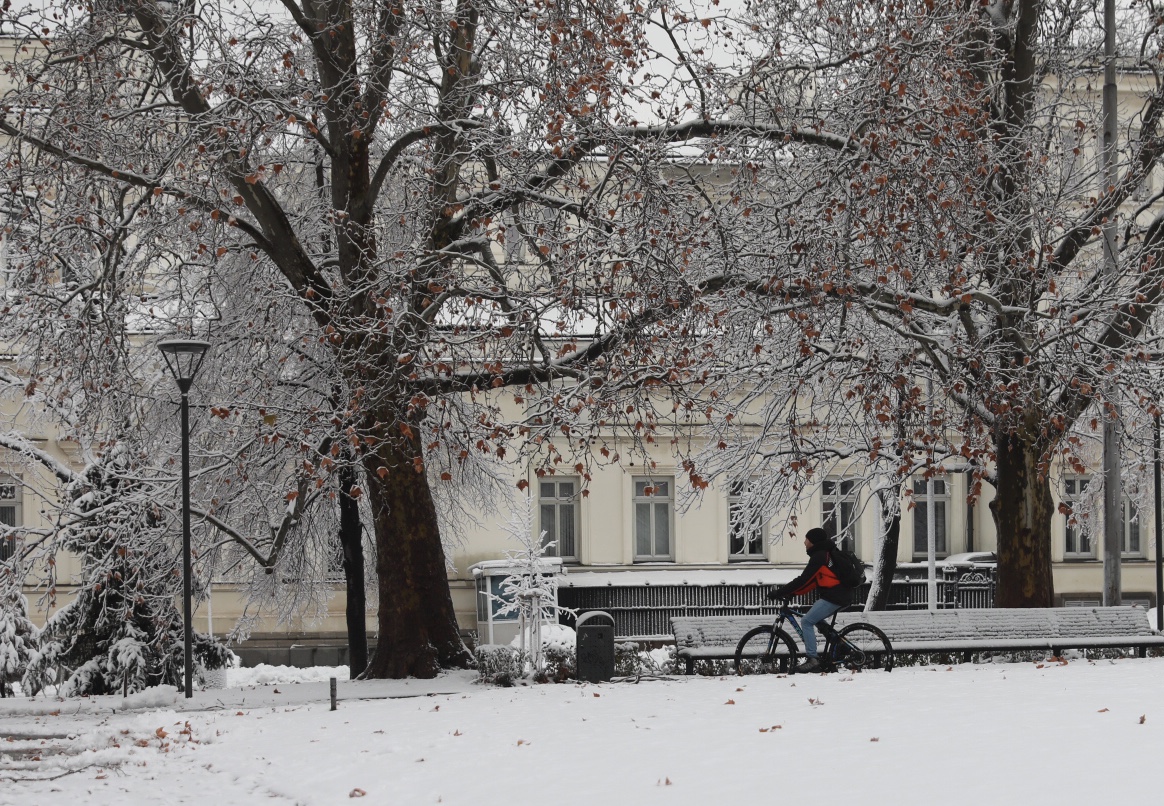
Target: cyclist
(833, 595)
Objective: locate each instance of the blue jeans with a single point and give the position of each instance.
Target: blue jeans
(816, 614)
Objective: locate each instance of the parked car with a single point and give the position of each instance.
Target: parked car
(965, 561)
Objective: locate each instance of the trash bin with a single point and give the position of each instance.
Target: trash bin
(595, 649)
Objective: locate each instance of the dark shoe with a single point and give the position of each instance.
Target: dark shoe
(809, 666)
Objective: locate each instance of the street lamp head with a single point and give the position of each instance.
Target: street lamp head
(184, 358)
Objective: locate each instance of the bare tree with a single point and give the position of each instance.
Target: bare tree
(458, 199)
(950, 208)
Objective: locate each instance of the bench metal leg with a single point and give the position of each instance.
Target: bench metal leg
(690, 665)
(1141, 652)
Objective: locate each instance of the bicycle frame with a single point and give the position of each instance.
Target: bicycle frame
(826, 627)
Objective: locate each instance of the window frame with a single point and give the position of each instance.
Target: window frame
(759, 529)
(557, 501)
(1129, 522)
(1083, 528)
(652, 502)
(830, 502)
(14, 502)
(921, 551)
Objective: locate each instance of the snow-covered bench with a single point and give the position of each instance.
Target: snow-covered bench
(711, 637)
(999, 629)
(965, 630)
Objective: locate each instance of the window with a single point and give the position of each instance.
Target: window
(653, 505)
(1078, 543)
(921, 521)
(1144, 189)
(9, 514)
(15, 208)
(1073, 165)
(838, 514)
(558, 511)
(335, 559)
(1130, 530)
(745, 526)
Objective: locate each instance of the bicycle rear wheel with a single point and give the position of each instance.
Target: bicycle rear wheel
(764, 650)
(862, 646)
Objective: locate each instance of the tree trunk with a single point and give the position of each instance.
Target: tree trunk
(1022, 509)
(885, 563)
(417, 625)
(352, 543)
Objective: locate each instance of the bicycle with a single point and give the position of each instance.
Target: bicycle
(770, 649)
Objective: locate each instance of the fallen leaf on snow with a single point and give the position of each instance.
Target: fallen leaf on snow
(1142, 718)
(457, 733)
(1102, 711)
(730, 702)
(875, 739)
(357, 793)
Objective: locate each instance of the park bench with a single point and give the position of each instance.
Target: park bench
(963, 631)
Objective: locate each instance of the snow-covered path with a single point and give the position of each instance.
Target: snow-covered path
(1076, 733)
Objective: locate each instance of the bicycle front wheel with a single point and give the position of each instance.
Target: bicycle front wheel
(862, 646)
(765, 650)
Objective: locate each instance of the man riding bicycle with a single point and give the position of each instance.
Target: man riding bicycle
(818, 573)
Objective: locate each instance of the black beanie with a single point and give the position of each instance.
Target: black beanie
(817, 536)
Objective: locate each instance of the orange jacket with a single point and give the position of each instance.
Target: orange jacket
(817, 574)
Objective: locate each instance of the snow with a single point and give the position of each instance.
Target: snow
(265, 675)
(962, 734)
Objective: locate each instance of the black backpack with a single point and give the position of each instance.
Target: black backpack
(848, 568)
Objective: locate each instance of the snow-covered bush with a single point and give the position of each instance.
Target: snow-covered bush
(499, 665)
(630, 660)
(561, 664)
(19, 637)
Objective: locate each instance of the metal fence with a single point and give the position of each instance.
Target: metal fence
(645, 611)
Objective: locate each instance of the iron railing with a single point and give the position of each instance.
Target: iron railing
(645, 611)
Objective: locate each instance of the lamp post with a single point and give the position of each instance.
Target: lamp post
(184, 358)
(1159, 516)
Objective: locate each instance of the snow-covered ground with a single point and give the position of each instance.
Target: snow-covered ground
(1083, 732)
